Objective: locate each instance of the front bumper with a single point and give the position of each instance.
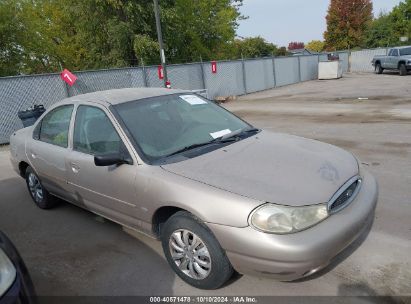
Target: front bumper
(293, 256)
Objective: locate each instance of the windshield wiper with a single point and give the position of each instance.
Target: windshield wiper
(223, 139)
(237, 133)
(193, 146)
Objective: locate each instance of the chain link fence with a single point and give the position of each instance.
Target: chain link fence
(236, 77)
(361, 60)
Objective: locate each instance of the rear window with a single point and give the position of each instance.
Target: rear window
(405, 52)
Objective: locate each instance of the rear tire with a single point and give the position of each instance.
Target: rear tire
(403, 69)
(378, 68)
(193, 252)
(41, 197)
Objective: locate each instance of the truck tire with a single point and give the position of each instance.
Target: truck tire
(378, 68)
(403, 69)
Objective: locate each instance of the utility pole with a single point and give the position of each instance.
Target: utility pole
(160, 42)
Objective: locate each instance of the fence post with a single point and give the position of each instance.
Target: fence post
(202, 73)
(144, 74)
(299, 69)
(244, 77)
(275, 80)
(66, 89)
(318, 66)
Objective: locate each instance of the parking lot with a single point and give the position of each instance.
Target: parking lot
(70, 251)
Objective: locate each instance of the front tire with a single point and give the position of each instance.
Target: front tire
(41, 197)
(378, 68)
(193, 252)
(403, 69)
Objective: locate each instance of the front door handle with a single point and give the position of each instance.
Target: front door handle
(74, 167)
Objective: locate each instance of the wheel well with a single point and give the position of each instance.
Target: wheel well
(378, 62)
(401, 62)
(161, 216)
(22, 168)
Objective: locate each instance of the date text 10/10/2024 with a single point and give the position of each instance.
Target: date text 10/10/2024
(203, 299)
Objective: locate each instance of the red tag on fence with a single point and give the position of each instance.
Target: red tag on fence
(160, 72)
(68, 77)
(213, 67)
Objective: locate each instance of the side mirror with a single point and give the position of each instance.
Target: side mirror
(112, 159)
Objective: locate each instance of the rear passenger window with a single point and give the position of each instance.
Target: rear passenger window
(94, 133)
(55, 125)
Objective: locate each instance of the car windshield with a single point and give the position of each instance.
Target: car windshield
(405, 52)
(165, 125)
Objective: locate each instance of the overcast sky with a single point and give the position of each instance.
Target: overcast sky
(283, 21)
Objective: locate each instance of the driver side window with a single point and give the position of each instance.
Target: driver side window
(94, 133)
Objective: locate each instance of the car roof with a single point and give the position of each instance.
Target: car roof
(117, 96)
(402, 47)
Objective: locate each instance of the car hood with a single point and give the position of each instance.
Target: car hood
(273, 167)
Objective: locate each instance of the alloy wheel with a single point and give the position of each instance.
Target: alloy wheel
(35, 187)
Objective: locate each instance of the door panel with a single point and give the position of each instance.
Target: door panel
(387, 60)
(49, 163)
(394, 60)
(47, 153)
(391, 59)
(109, 191)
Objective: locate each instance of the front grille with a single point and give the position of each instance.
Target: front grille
(345, 195)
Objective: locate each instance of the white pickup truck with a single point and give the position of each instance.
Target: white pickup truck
(397, 59)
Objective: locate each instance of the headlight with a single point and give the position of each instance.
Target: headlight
(7, 273)
(280, 219)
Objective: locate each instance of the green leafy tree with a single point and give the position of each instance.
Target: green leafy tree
(380, 33)
(254, 47)
(10, 52)
(316, 46)
(200, 29)
(146, 49)
(388, 28)
(107, 28)
(347, 23)
(282, 51)
(39, 36)
(401, 19)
